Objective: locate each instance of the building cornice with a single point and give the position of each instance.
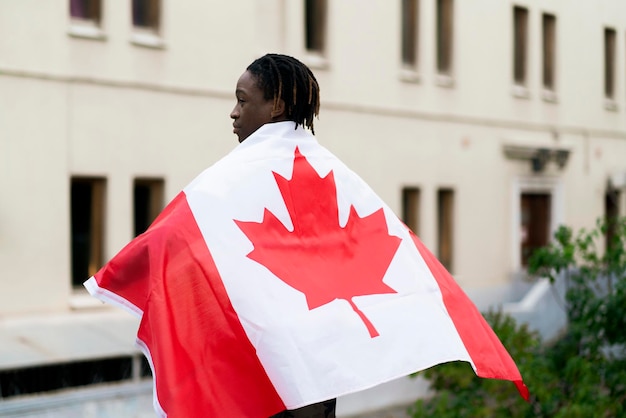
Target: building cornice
(121, 84)
(328, 104)
(476, 120)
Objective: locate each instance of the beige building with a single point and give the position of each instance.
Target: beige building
(483, 123)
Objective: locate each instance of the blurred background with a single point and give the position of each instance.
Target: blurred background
(484, 124)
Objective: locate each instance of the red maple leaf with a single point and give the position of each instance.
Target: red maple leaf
(319, 257)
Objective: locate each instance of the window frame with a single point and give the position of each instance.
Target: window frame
(87, 27)
(446, 202)
(612, 210)
(411, 200)
(533, 201)
(315, 23)
(444, 47)
(533, 184)
(409, 33)
(520, 51)
(549, 56)
(610, 67)
(409, 40)
(155, 203)
(150, 35)
(96, 229)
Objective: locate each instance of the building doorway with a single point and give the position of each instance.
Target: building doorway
(535, 223)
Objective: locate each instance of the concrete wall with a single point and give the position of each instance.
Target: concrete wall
(108, 107)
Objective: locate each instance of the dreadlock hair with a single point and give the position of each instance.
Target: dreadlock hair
(282, 77)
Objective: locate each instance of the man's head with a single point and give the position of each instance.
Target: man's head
(275, 88)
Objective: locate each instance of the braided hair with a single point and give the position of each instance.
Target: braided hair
(282, 77)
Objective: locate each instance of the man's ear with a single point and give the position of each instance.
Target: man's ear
(278, 111)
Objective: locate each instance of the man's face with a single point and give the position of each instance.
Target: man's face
(252, 110)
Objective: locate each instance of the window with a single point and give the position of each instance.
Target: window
(87, 223)
(147, 202)
(147, 14)
(549, 50)
(409, 33)
(410, 208)
(445, 226)
(86, 19)
(315, 26)
(520, 43)
(88, 10)
(535, 223)
(609, 63)
(444, 36)
(611, 212)
(55, 377)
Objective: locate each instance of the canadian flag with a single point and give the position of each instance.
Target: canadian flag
(278, 278)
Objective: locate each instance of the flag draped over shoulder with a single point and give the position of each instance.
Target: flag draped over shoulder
(278, 278)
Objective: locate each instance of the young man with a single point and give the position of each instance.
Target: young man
(279, 88)
(277, 279)
(275, 88)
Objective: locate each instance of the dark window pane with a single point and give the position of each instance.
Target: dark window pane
(549, 50)
(142, 208)
(444, 36)
(147, 201)
(315, 25)
(87, 207)
(85, 9)
(611, 212)
(146, 13)
(410, 208)
(445, 226)
(520, 19)
(409, 32)
(81, 230)
(60, 376)
(609, 63)
(535, 227)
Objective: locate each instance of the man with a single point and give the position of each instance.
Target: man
(279, 88)
(277, 280)
(275, 88)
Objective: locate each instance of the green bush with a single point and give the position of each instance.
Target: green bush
(583, 373)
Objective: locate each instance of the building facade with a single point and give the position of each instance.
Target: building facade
(484, 125)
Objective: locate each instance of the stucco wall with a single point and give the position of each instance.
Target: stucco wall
(107, 107)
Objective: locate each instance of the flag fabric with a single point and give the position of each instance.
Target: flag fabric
(277, 279)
